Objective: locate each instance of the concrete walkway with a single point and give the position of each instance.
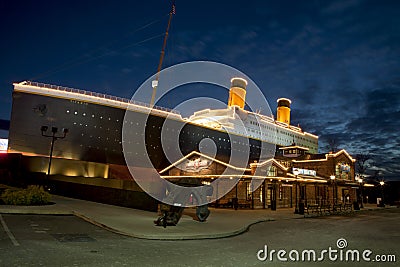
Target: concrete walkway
(140, 224)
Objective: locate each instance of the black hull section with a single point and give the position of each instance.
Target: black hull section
(95, 134)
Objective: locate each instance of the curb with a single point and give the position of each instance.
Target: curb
(29, 210)
(172, 238)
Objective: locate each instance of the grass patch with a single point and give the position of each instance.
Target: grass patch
(33, 195)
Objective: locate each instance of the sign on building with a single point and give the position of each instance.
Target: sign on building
(3, 144)
(305, 172)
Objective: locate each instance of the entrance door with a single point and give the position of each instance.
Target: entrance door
(268, 196)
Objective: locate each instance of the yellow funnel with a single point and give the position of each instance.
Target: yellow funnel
(237, 93)
(283, 110)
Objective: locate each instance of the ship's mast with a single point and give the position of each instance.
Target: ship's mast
(154, 84)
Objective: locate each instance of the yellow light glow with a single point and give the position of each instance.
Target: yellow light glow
(327, 156)
(205, 156)
(292, 147)
(260, 164)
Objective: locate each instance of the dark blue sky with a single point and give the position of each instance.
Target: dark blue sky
(339, 61)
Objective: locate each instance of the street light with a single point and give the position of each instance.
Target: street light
(382, 204)
(333, 177)
(296, 208)
(54, 138)
(360, 180)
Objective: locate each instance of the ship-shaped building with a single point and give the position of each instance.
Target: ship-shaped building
(95, 123)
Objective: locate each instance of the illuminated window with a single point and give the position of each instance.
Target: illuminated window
(272, 171)
(248, 191)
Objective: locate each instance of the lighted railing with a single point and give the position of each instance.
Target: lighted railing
(104, 96)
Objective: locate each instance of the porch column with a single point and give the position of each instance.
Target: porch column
(263, 194)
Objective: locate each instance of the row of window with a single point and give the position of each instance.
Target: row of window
(84, 114)
(280, 131)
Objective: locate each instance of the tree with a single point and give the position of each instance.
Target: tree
(362, 162)
(332, 145)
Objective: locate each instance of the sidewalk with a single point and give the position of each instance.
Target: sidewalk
(139, 223)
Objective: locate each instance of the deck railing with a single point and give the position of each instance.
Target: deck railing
(99, 95)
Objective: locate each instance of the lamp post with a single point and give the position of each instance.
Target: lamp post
(360, 180)
(334, 193)
(381, 204)
(296, 203)
(54, 138)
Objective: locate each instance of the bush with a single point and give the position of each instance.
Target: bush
(33, 195)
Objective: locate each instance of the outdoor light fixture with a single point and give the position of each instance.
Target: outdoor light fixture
(54, 138)
(333, 177)
(44, 129)
(296, 208)
(382, 203)
(360, 180)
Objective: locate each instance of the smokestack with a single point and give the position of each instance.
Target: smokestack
(237, 93)
(283, 110)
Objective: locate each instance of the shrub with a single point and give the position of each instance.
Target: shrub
(33, 195)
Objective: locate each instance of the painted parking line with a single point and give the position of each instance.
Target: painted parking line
(8, 232)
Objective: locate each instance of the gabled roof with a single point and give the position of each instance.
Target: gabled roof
(322, 157)
(204, 156)
(293, 147)
(272, 160)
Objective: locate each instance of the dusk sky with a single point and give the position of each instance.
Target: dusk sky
(338, 61)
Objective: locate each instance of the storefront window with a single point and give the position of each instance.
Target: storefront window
(342, 170)
(248, 191)
(272, 171)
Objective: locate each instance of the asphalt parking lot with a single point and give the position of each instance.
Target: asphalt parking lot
(48, 240)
